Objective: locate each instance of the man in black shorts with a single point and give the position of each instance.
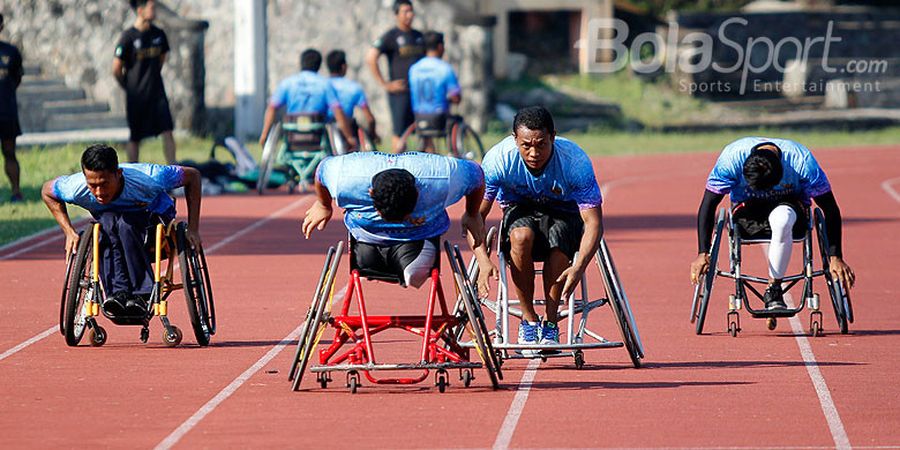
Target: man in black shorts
(140, 56)
(10, 77)
(403, 46)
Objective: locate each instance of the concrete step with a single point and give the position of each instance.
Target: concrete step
(32, 69)
(80, 121)
(38, 80)
(75, 107)
(73, 136)
(40, 94)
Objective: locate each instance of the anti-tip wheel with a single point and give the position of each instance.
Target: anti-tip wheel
(771, 323)
(174, 339)
(579, 359)
(733, 329)
(467, 377)
(97, 336)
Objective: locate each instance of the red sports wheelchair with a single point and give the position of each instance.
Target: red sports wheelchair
(352, 350)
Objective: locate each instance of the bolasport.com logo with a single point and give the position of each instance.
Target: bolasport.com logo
(694, 53)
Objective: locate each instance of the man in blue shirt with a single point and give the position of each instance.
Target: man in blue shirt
(551, 209)
(127, 200)
(395, 207)
(350, 94)
(10, 78)
(772, 183)
(433, 86)
(307, 93)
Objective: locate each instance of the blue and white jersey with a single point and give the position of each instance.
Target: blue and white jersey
(567, 182)
(802, 179)
(305, 93)
(146, 189)
(431, 81)
(350, 95)
(441, 181)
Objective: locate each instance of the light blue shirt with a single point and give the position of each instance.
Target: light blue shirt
(802, 179)
(431, 81)
(146, 189)
(441, 181)
(305, 93)
(566, 183)
(350, 95)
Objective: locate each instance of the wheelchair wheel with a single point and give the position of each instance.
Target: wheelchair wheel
(366, 143)
(268, 158)
(79, 290)
(840, 299)
(65, 293)
(197, 289)
(309, 313)
(410, 140)
(701, 297)
(465, 143)
(619, 304)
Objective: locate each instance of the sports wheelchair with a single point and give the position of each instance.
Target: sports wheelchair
(83, 292)
(295, 147)
(575, 310)
(460, 140)
(364, 139)
(352, 350)
(840, 298)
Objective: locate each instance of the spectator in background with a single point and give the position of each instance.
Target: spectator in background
(10, 78)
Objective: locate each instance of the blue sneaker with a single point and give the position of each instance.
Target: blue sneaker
(529, 334)
(549, 334)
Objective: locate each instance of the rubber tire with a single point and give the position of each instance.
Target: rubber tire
(710, 275)
(616, 302)
(74, 300)
(268, 158)
(835, 290)
(458, 140)
(195, 282)
(172, 342)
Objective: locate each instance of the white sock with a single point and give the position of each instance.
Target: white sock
(782, 220)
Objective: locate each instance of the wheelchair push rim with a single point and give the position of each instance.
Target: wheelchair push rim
(79, 288)
(840, 298)
(197, 289)
(701, 304)
(619, 304)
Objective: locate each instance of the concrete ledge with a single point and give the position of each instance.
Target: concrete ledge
(73, 137)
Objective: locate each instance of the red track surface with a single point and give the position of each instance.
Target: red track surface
(694, 391)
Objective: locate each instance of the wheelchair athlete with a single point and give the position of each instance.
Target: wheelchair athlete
(127, 200)
(395, 207)
(551, 209)
(771, 182)
(433, 87)
(350, 94)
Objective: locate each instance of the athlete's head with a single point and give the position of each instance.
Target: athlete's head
(762, 169)
(534, 133)
(434, 43)
(310, 60)
(337, 62)
(394, 194)
(403, 11)
(146, 9)
(100, 165)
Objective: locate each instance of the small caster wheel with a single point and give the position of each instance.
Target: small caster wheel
(579, 359)
(733, 329)
(98, 336)
(771, 323)
(467, 376)
(145, 335)
(353, 381)
(323, 379)
(441, 380)
(172, 340)
(815, 329)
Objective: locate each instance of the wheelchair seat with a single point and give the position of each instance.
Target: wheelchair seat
(431, 125)
(304, 132)
(374, 274)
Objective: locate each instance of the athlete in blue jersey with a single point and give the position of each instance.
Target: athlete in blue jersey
(771, 183)
(350, 94)
(433, 86)
(307, 93)
(127, 200)
(551, 209)
(395, 207)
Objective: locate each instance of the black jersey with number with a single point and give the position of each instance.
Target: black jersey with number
(403, 49)
(142, 53)
(10, 76)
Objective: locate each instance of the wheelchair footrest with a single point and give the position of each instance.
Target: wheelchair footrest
(560, 347)
(767, 313)
(416, 366)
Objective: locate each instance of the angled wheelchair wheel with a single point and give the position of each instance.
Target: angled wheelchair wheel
(70, 259)
(465, 143)
(701, 298)
(310, 312)
(840, 299)
(409, 141)
(619, 304)
(366, 142)
(79, 290)
(268, 158)
(197, 289)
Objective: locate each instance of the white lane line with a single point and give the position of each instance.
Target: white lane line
(888, 187)
(504, 437)
(218, 245)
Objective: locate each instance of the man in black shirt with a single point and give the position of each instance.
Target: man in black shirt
(140, 55)
(403, 46)
(10, 77)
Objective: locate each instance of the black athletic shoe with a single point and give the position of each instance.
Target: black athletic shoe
(774, 297)
(136, 305)
(115, 305)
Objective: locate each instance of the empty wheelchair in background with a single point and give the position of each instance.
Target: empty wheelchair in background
(352, 350)
(744, 284)
(83, 292)
(574, 310)
(458, 138)
(295, 147)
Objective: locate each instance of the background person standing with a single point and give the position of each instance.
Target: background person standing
(140, 55)
(10, 78)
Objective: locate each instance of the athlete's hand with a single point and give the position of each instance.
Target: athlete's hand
(396, 86)
(71, 242)
(474, 224)
(262, 140)
(570, 277)
(317, 216)
(699, 267)
(842, 272)
(486, 271)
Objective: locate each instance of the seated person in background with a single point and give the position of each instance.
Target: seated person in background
(771, 182)
(551, 209)
(396, 207)
(350, 94)
(307, 93)
(433, 86)
(127, 200)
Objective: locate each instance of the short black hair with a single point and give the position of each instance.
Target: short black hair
(310, 59)
(394, 194)
(762, 169)
(534, 118)
(399, 3)
(335, 60)
(135, 4)
(100, 158)
(433, 40)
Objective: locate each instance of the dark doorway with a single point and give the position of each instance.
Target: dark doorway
(547, 38)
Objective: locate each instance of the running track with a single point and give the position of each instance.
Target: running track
(763, 389)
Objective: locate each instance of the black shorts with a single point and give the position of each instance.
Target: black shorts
(10, 129)
(398, 263)
(148, 118)
(552, 229)
(401, 112)
(751, 218)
